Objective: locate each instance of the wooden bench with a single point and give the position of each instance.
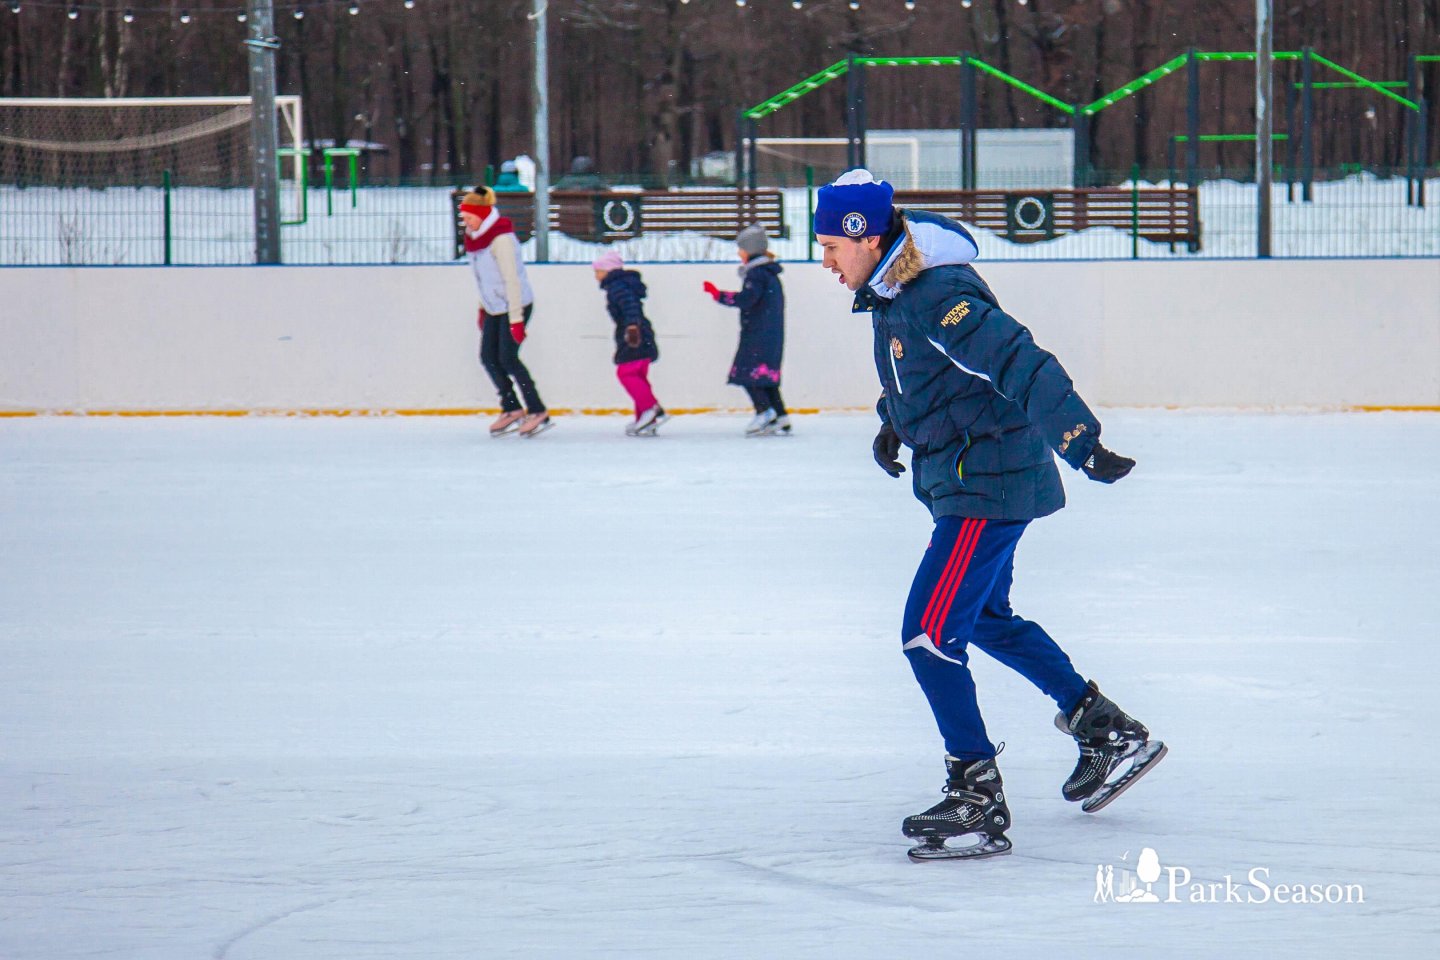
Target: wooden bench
(607, 216)
(1161, 214)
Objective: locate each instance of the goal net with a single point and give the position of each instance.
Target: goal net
(782, 161)
(133, 141)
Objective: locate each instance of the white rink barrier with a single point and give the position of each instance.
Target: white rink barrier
(1243, 333)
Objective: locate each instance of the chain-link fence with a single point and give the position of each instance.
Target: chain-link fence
(1341, 213)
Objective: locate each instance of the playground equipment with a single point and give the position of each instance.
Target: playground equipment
(853, 70)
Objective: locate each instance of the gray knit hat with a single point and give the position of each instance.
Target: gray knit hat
(753, 240)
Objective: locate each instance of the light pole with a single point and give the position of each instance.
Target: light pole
(1264, 49)
(264, 135)
(542, 134)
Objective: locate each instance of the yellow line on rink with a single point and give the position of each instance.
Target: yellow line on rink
(387, 412)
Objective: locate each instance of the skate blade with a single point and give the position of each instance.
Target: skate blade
(538, 430)
(1150, 755)
(935, 849)
(513, 428)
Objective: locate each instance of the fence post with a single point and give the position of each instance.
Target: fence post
(809, 212)
(1135, 211)
(165, 181)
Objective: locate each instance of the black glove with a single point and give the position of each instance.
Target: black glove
(887, 450)
(1105, 466)
(632, 335)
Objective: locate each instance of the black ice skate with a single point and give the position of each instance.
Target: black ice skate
(1108, 737)
(974, 806)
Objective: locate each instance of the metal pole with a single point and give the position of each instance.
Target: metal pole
(968, 123)
(1135, 211)
(1424, 151)
(851, 137)
(1264, 40)
(739, 149)
(1412, 142)
(1081, 126)
(1292, 95)
(1192, 119)
(860, 121)
(1307, 123)
(542, 133)
(809, 212)
(264, 131)
(752, 146)
(165, 179)
(854, 114)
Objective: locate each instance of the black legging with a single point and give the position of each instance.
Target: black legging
(500, 356)
(766, 398)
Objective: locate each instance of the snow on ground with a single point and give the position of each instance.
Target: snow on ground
(383, 688)
(1359, 216)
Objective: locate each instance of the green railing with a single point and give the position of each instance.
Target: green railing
(840, 68)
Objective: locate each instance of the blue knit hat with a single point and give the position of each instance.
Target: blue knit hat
(855, 205)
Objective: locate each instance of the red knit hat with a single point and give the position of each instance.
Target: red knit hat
(478, 201)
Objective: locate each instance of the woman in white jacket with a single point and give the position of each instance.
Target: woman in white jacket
(506, 302)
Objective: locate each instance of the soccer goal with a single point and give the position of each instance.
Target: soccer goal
(783, 160)
(134, 141)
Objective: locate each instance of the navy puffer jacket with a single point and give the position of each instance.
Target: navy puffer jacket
(761, 300)
(624, 291)
(966, 387)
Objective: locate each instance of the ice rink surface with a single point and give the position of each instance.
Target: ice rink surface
(303, 689)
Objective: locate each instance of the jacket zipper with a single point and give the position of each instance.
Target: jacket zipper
(895, 370)
(890, 349)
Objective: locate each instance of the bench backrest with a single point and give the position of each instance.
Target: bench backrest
(1166, 214)
(607, 216)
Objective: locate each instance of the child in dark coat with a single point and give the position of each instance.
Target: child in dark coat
(635, 347)
(761, 300)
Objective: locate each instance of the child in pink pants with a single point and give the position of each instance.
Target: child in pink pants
(635, 347)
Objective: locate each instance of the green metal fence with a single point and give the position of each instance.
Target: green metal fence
(1351, 213)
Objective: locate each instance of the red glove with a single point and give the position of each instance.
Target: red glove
(713, 290)
(517, 332)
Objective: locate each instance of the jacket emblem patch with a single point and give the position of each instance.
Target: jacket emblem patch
(1069, 435)
(897, 349)
(957, 313)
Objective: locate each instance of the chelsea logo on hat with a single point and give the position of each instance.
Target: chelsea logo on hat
(856, 205)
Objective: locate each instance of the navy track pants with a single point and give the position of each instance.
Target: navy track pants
(961, 596)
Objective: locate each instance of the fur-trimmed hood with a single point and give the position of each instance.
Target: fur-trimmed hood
(929, 240)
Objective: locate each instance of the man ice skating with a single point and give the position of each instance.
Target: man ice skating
(981, 407)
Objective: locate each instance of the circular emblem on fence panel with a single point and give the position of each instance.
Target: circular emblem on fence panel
(854, 225)
(1030, 213)
(619, 215)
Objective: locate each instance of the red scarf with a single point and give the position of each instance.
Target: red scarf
(487, 235)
